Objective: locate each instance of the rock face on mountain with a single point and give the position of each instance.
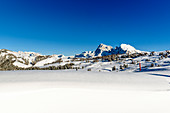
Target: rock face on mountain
(104, 50)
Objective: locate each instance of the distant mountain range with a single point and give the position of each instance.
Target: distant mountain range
(10, 60)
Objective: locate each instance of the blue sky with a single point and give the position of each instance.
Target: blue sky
(72, 26)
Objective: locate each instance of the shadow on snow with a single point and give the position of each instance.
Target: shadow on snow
(156, 69)
(163, 75)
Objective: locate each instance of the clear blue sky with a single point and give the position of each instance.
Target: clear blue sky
(72, 26)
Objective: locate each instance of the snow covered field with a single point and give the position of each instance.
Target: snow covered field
(84, 92)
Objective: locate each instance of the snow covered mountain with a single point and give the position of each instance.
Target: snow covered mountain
(125, 48)
(104, 50)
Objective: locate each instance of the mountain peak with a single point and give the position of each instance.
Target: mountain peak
(103, 50)
(125, 48)
(104, 47)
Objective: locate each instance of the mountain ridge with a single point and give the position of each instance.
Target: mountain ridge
(104, 50)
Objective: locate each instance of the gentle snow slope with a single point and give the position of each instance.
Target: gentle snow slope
(83, 92)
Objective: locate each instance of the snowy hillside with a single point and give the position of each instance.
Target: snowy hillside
(23, 59)
(28, 59)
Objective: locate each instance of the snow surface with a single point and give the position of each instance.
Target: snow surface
(80, 91)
